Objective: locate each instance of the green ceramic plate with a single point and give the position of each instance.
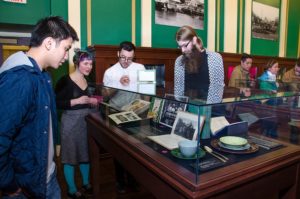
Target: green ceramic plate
(235, 148)
(233, 141)
(176, 153)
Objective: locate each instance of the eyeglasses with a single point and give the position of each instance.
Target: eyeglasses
(126, 59)
(185, 45)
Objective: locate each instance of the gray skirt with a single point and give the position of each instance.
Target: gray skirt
(74, 144)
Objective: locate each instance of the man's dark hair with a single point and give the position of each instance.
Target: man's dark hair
(127, 45)
(55, 27)
(245, 56)
(298, 62)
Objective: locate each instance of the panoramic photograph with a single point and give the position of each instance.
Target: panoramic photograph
(179, 13)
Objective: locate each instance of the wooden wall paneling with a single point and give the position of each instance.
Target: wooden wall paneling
(106, 56)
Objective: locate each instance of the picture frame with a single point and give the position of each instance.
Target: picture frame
(265, 20)
(172, 104)
(186, 125)
(146, 75)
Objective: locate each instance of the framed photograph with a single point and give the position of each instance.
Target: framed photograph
(186, 125)
(265, 20)
(180, 12)
(172, 104)
(138, 106)
(123, 117)
(155, 108)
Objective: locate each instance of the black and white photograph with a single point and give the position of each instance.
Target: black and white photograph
(186, 125)
(124, 117)
(265, 21)
(180, 12)
(172, 104)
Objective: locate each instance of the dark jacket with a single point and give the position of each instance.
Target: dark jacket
(26, 98)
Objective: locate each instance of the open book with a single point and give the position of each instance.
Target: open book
(123, 117)
(217, 124)
(220, 127)
(248, 117)
(185, 128)
(138, 106)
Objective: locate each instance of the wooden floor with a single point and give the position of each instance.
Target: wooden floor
(108, 190)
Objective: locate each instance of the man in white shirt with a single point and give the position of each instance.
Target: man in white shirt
(123, 75)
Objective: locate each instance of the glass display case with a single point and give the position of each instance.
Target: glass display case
(192, 145)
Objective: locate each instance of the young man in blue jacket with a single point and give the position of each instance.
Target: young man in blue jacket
(28, 113)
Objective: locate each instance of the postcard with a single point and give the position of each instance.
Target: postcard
(155, 108)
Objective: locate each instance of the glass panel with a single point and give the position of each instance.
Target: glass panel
(236, 128)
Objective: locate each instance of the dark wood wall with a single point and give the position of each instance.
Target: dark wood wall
(107, 55)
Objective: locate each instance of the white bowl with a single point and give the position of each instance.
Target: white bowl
(233, 141)
(188, 148)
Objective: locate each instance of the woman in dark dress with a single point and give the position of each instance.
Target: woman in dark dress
(73, 98)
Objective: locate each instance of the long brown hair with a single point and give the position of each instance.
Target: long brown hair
(270, 63)
(187, 33)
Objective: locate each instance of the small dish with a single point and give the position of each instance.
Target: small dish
(252, 149)
(176, 153)
(235, 148)
(233, 141)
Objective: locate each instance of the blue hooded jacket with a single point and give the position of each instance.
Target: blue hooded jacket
(26, 99)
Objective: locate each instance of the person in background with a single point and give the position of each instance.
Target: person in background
(122, 75)
(28, 119)
(197, 72)
(240, 77)
(292, 77)
(241, 72)
(267, 81)
(73, 98)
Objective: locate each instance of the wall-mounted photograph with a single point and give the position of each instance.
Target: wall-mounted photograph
(180, 12)
(265, 21)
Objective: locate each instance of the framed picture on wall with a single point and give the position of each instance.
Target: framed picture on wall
(179, 13)
(265, 21)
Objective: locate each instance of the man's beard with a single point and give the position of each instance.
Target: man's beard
(192, 60)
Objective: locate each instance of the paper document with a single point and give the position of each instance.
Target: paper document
(169, 141)
(217, 124)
